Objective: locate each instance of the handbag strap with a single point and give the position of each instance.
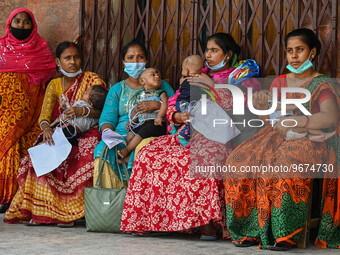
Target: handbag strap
(102, 158)
(120, 172)
(101, 165)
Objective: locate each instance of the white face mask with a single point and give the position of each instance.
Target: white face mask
(67, 74)
(71, 75)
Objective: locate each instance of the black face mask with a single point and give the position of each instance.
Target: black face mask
(20, 33)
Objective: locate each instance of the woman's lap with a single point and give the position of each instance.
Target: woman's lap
(162, 196)
(279, 200)
(57, 196)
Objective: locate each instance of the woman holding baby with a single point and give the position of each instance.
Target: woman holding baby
(162, 193)
(58, 196)
(115, 115)
(272, 209)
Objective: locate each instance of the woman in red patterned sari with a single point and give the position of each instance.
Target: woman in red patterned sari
(26, 64)
(58, 197)
(163, 195)
(273, 209)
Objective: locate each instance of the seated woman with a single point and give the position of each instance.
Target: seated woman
(117, 106)
(162, 194)
(58, 197)
(26, 64)
(273, 211)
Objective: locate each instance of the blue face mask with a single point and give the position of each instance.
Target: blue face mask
(134, 69)
(303, 67)
(216, 67)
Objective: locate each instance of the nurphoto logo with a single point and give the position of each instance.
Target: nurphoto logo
(239, 105)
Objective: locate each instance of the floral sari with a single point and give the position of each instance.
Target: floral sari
(164, 193)
(272, 208)
(58, 197)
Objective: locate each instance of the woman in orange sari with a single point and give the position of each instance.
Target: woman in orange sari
(58, 197)
(26, 63)
(272, 209)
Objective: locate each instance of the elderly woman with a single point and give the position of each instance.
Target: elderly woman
(162, 194)
(273, 209)
(116, 110)
(58, 197)
(26, 63)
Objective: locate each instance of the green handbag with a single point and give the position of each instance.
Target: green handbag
(103, 206)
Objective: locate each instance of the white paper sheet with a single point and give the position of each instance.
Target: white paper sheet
(45, 158)
(112, 138)
(205, 123)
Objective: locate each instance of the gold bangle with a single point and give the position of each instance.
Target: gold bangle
(83, 113)
(47, 128)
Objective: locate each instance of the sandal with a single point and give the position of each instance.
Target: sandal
(250, 241)
(66, 225)
(281, 246)
(32, 223)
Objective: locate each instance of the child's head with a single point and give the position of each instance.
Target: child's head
(150, 79)
(192, 65)
(95, 96)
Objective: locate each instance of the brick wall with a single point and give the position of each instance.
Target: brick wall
(58, 20)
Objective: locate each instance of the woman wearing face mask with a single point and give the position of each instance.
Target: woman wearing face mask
(166, 192)
(58, 197)
(272, 208)
(221, 56)
(115, 114)
(26, 63)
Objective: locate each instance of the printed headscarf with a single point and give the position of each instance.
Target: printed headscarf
(31, 55)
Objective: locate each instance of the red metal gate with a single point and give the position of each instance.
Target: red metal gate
(173, 29)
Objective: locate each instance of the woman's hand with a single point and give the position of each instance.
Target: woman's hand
(48, 132)
(201, 78)
(260, 99)
(73, 111)
(182, 117)
(148, 106)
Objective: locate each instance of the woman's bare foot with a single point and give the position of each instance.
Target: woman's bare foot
(66, 225)
(33, 223)
(208, 232)
(321, 138)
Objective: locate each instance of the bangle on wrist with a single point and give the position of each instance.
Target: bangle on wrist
(42, 122)
(83, 113)
(46, 128)
(88, 111)
(105, 129)
(307, 121)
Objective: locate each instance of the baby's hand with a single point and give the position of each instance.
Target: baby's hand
(127, 125)
(158, 121)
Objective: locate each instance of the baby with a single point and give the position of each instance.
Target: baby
(295, 133)
(144, 125)
(191, 66)
(94, 97)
